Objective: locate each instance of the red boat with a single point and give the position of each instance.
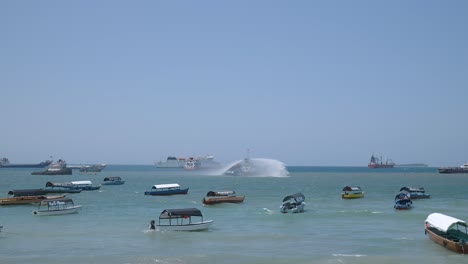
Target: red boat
(378, 163)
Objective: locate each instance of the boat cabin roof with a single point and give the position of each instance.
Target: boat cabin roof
(166, 186)
(27, 192)
(403, 195)
(298, 197)
(58, 184)
(220, 193)
(349, 188)
(412, 189)
(444, 222)
(116, 178)
(52, 202)
(176, 213)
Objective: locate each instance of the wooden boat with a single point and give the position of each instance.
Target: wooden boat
(352, 192)
(215, 197)
(181, 220)
(113, 181)
(166, 189)
(416, 193)
(26, 199)
(56, 207)
(447, 231)
(293, 203)
(55, 187)
(403, 201)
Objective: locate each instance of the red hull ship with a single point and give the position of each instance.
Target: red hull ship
(377, 163)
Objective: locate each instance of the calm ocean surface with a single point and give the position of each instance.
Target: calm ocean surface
(112, 225)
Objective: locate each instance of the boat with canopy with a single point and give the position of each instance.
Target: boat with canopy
(56, 207)
(181, 220)
(293, 203)
(447, 231)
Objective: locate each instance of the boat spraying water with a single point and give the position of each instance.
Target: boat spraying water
(258, 167)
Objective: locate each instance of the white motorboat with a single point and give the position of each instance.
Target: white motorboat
(56, 207)
(293, 203)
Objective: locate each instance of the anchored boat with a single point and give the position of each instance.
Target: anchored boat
(166, 189)
(181, 220)
(5, 163)
(56, 207)
(447, 231)
(416, 193)
(113, 181)
(215, 197)
(403, 201)
(376, 163)
(293, 203)
(352, 192)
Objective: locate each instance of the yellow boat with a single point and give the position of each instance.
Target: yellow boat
(352, 192)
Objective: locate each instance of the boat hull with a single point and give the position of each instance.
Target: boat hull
(380, 166)
(167, 192)
(217, 200)
(91, 188)
(420, 196)
(297, 209)
(452, 170)
(113, 183)
(65, 171)
(26, 199)
(446, 243)
(403, 205)
(196, 226)
(69, 210)
(352, 195)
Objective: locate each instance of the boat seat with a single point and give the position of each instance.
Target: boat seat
(457, 234)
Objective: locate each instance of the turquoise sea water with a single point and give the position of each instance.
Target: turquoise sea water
(112, 225)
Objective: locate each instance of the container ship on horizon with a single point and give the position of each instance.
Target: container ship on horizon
(376, 163)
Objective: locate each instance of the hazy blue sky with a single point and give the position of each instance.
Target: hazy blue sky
(303, 82)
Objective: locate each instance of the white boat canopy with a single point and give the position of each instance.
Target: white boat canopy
(81, 182)
(166, 186)
(443, 222)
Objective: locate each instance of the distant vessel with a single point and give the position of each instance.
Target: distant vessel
(171, 162)
(191, 163)
(5, 163)
(412, 165)
(378, 163)
(93, 168)
(57, 168)
(462, 169)
(198, 163)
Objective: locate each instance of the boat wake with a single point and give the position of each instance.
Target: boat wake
(258, 167)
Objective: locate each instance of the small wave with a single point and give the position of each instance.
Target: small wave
(376, 212)
(268, 210)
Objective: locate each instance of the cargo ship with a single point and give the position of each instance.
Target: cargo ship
(376, 163)
(5, 163)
